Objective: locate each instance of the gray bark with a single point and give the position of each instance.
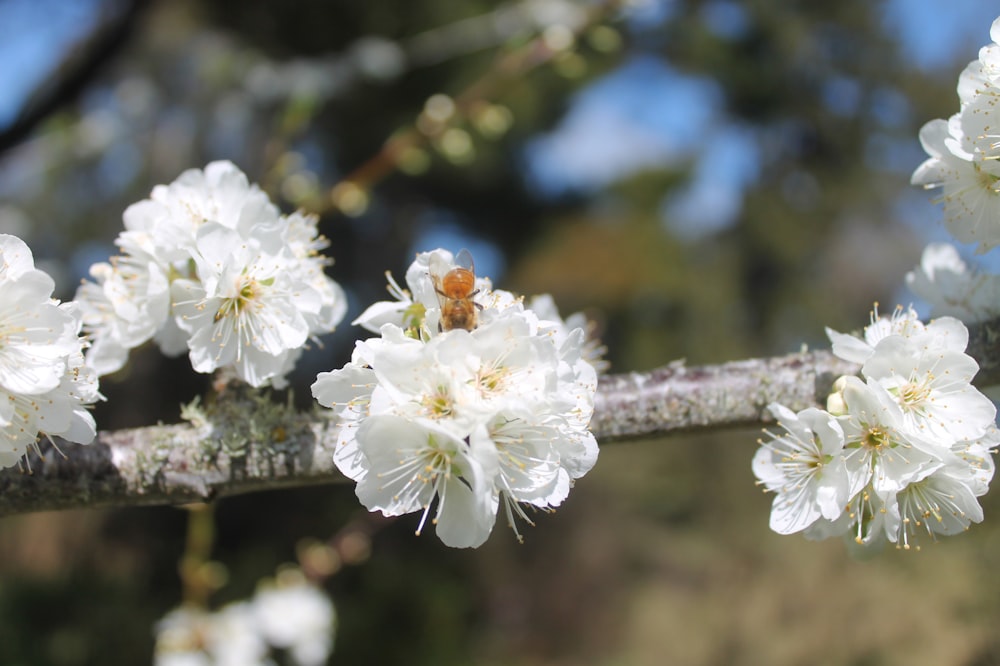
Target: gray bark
(246, 442)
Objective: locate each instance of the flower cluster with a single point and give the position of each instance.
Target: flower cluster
(45, 388)
(467, 419)
(952, 287)
(209, 266)
(291, 615)
(964, 152)
(904, 448)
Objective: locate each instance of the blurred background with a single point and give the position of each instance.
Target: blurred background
(708, 180)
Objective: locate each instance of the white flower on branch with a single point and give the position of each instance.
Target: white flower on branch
(906, 450)
(45, 390)
(455, 423)
(942, 333)
(933, 388)
(209, 266)
(806, 469)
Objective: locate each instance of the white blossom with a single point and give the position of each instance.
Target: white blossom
(806, 469)
(288, 614)
(905, 449)
(942, 333)
(952, 288)
(228, 637)
(209, 266)
(942, 503)
(294, 615)
(989, 55)
(933, 387)
(454, 423)
(245, 311)
(45, 390)
(963, 154)
(970, 194)
(877, 439)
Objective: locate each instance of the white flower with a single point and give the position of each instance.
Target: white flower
(125, 306)
(44, 388)
(877, 439)
(411, 464)
(933, 387)
(544, 306)
(989, 55)
(906, 450)
(305, 243)
(452, 423)
(228, 637)
(210, 267)
(246, 311)
(942, 503)
(913, 426)
(180, 637)
(970, 192)
(37, 335)
(169, 220)
(296, 616)
(942, 333)
(291, 615)
(807, 470)
(964, 152)
(233, 637)
(952, 288)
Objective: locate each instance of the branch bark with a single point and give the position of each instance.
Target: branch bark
(246, 442)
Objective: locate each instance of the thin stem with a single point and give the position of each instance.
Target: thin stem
(199, 575)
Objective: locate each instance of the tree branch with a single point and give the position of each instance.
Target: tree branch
(677, 399)
(246, 442)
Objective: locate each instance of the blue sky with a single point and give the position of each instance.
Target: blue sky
(33, 36)
(651, 115)
(645, 114)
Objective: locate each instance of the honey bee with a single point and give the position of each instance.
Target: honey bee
(455, 288)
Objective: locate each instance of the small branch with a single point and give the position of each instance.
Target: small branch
(167, 464)
(676, 398)
(246, 442)
(509, 67)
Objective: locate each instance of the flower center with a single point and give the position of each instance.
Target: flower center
(913, 395)
(439, 404)
(491, 379)
(877, 437)
(234, 306)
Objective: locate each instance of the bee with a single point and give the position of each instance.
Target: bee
(455, 288)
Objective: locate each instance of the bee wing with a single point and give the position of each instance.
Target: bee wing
(464, 260)
(438, 267)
